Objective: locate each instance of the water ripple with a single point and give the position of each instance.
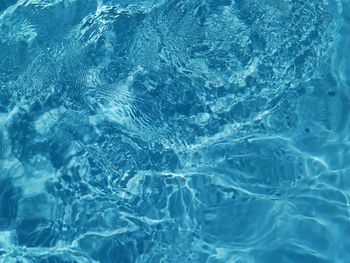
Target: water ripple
(174, 131)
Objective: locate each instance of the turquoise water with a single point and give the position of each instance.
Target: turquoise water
(206, 131)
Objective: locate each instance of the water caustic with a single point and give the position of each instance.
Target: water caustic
(174, 131)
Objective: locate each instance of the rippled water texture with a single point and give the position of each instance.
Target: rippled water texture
(146, 131)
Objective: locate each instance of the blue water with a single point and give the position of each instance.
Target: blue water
(160, 131)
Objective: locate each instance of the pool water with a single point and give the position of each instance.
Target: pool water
(160, 131)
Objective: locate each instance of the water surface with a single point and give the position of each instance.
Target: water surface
(146, 131)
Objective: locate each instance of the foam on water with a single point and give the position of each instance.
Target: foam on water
(174, 131)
